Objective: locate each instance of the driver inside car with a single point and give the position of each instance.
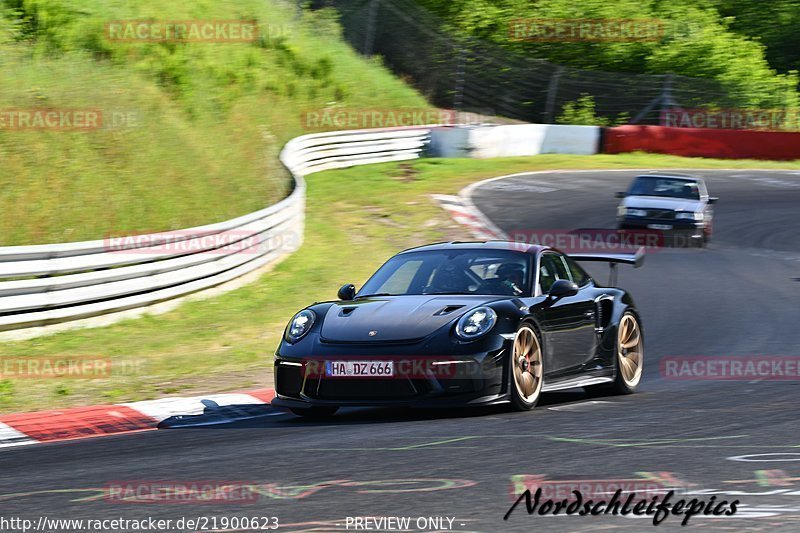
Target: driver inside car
(448, 279)
(512, 276)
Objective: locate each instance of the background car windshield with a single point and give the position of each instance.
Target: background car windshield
(498, 272)
(669, 187)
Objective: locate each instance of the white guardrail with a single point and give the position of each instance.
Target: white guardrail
(43, 285)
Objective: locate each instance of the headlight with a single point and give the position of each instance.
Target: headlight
(631, 212)
(299, 325)
(476, 323)
(688, 215)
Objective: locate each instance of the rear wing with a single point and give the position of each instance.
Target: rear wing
(636, 259)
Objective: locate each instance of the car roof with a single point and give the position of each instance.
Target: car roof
(513, 246)
(684, 177)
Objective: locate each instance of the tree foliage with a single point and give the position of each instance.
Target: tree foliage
(731, 41)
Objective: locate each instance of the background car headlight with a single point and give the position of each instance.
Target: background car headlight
(632, 212)
(299, 325)
(476, 323)
(688, 215)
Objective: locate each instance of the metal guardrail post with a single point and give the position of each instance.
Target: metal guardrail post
(552, 90)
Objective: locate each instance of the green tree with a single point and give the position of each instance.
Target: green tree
(697, 40)
(581, 112)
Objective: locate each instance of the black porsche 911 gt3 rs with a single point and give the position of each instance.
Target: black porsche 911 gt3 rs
(461, 324)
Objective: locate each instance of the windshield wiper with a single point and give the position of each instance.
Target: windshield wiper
(374, 295)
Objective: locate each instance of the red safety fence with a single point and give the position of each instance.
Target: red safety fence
(696, 142)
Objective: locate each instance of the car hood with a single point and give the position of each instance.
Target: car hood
(395, 318)
(655, 202)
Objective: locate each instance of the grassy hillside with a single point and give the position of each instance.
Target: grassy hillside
(203, 121)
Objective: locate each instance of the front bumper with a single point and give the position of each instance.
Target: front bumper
(419, 381)
(675, 232)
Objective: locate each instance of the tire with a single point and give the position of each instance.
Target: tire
(315, 413)
(526, 371)
(627, 379)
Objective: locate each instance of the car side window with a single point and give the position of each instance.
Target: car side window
(546, 273)
(701, 187)
(579, 275)
(551, 269)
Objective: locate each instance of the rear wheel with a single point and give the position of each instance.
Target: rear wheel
(316, 413)
(527, 372)
(629, 358)
(707, 232)
(630, 354)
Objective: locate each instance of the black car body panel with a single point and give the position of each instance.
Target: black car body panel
(578, 336)
(394, 318)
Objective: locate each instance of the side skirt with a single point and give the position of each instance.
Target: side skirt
(575, 382)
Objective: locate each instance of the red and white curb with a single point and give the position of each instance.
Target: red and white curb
(465, 213)
(101, 420)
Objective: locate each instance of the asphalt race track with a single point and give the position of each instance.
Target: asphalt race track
(733, 440)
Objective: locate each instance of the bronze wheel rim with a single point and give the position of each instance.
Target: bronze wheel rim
(630, 350)
(527, 361)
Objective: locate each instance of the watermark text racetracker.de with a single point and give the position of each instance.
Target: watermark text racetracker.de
(400, 367)
(340, 118)
(195, 31)
(149, 523)
(40, 119)
(54, 119)
(55, 367)
(589, 240)
(732, 119)
(198, 241)
(592, 30)
(182, 492)
(731, 368)
(68, 366)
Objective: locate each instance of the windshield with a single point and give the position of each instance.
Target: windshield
(499, 272)
(669, 187)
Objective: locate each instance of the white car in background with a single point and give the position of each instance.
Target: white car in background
(675, 204)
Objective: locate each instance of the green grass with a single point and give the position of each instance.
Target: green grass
(209, 117)
(356, 219)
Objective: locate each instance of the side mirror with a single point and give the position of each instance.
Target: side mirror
(347, 292)
(563, 288)
(620, 195)
(713, 199)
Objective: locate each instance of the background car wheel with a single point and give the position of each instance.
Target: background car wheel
(699, 242)
(527, 372)
(629, 360)
(317, 413)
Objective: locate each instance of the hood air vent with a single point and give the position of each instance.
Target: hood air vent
(447, 310)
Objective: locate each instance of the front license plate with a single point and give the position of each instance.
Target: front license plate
(659, 226)
(359, 369)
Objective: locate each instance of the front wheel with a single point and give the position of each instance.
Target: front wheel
(315, 413)
(527, 372)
